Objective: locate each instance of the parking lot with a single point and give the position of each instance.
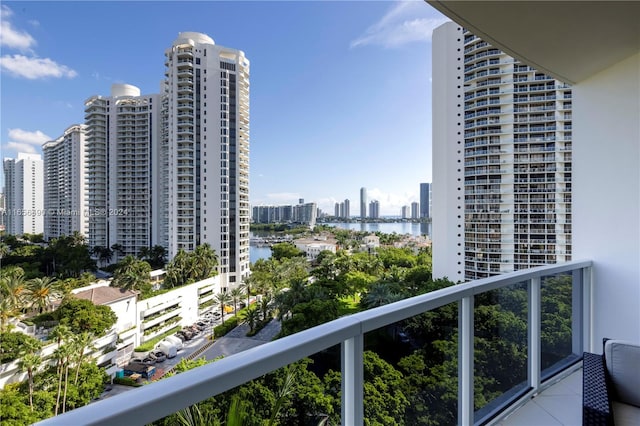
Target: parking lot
(201, 345)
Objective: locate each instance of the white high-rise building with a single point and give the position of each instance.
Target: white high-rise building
(207, 138)
(124, 169)
(24, 192)
(65, 184)
(501, 161)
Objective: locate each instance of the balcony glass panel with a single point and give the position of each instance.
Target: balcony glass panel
(429, 365)
(300, 393)
(500, 352)
(556, 331)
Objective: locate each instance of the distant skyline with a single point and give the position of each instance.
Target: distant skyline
(340, 91)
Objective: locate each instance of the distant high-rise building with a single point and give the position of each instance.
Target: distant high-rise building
(206, 151)
(3, 212)
(425, 200)
(337, 210)
(374, 209)
(501, 161)
(65, 194)
(24, 192)
(363, 203)
(125, 170)
(405, 212)
(415, 210)
(347, 209)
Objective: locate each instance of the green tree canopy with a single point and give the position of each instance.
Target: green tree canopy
(285, 251)
(83, 316)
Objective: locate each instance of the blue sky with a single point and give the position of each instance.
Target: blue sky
(340, 91)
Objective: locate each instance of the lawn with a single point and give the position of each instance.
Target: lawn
(349, 305)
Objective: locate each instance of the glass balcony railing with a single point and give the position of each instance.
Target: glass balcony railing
(474, 351)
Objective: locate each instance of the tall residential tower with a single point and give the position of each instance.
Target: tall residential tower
(65, 184)
(501, 161)
(124, 169)
(24, 194)
(363, 203)
(425, 200)
(207, 145)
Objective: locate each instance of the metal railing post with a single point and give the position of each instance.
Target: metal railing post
(465, 361)
(534, 333)
(352, 381)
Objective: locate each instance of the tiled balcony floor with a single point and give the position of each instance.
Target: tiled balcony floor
(560, 404)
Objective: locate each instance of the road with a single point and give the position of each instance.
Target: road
(235, 341)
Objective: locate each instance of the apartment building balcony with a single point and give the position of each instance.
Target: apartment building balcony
(541, 369)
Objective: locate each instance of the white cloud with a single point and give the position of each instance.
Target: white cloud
(30, 67)
(11, 37)
(405, 22)
(20, 147)
(34, 68)
(21, 140)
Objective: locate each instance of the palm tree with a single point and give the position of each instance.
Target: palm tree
(158, 256)
(42, 293)
(205, 261)
(7, 311)
(4, 250)
(179, 270)
(104, 254)
(379, 294)
(143, 253)
(118, 250)
(222, 298)
(14, 288)
(131, 274)
(265, 305)
(251, 316)
(29, 363)
(236, 294)
(82, 343)
(245, 286)
(62, 354)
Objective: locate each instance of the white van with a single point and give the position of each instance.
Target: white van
(176, 341)
(168, 348)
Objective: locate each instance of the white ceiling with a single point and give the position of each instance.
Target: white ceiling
(570, 40)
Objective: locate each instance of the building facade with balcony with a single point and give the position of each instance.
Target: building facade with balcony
(206, 134)
(65, 184)
(505, 154)
(24, 194)
(124, 171)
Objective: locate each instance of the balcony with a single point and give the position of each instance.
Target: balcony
(539, 371)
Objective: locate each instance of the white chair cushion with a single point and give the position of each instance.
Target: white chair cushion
(623, 363)
(625, 414)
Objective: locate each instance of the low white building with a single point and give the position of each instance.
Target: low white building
(138, 321)
(313, 246)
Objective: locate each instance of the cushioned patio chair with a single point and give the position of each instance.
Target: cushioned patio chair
(611, 385)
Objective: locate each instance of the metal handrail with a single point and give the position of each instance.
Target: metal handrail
(159, 399)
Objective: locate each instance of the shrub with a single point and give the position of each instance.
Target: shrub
(127, 381)
(228, 325)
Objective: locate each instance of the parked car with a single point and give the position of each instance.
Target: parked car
(145, 361)
(201, 325)
(185, 334)
(159, 356)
